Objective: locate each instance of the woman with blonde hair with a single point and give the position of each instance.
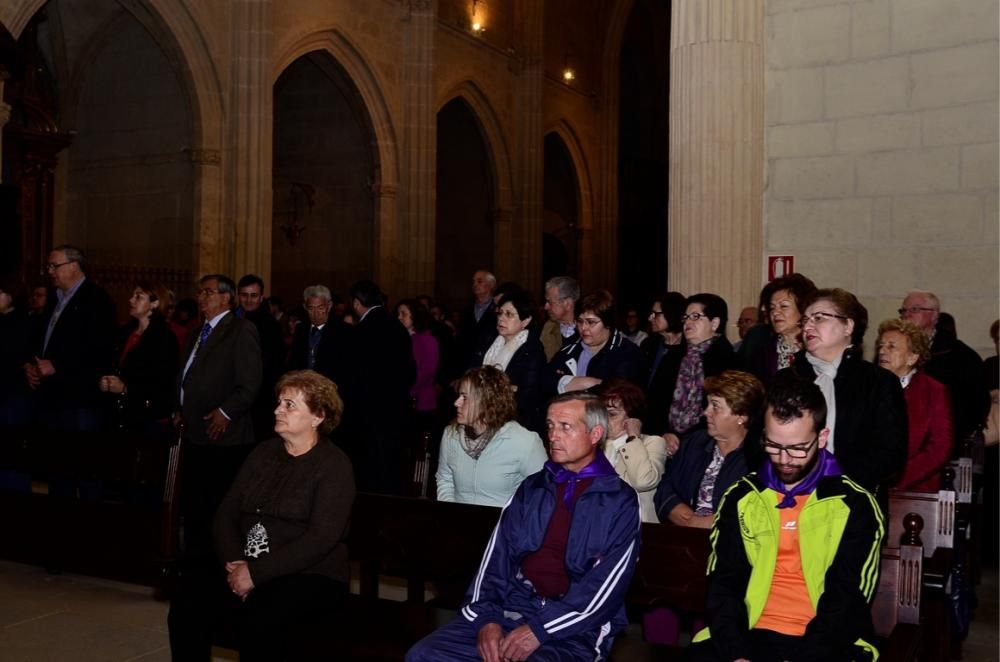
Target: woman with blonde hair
(486, 453)
(902, 349)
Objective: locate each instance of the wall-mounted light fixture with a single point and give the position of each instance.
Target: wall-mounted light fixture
(568, 72)
(478, 22)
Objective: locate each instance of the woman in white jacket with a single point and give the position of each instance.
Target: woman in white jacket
(485, 453)
(638, 458)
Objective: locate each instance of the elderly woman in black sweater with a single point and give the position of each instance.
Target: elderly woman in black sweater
(280, 532)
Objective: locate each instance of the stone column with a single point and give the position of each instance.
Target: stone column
(418, 182)
(387, 240)
(247, 238)
(209, 231)
(526, 260)
(717, 149)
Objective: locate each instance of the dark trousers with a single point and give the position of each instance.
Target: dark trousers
(273, 623)
(456, 642)
(206, 473)
(770, 646)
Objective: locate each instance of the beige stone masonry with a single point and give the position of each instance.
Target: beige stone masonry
(937, 219)
(925, 24)
(794, 95)
(793, 140)
(972, 123)
(875, 133)
(908, 171)
(979, 167)
(956, 75)
(886, 269)
(819, 223)
(870, 29)
(813, 177)
(866, 88)
(810, 37)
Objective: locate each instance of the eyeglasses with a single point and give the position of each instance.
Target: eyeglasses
(555, 302)
(694, 317)
(655, 313)
(913, 310)
(819, 318)
(796, 452)
(52, 266)
(207, 291)
(508, 314)
(589, 322)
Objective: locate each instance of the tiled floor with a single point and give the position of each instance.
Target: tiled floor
(69, 618)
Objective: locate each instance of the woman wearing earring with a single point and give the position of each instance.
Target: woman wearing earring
(711, 459)
(146, 360)
(866, 412)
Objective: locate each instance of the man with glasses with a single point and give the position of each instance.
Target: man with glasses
(216, 387)
(952, 362)
(795, 547)
(561, 295)
(72, 347)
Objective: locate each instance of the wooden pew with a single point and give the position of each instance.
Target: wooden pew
(896, 608)
(118, 533)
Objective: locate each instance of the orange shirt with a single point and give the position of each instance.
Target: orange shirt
(788, 609)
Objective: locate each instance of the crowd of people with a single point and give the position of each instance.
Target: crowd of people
(561, 414)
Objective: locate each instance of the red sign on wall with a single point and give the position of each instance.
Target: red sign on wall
(779, 266)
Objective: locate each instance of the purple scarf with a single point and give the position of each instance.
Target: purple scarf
(599, 467)
(686, 409)
(827, 466)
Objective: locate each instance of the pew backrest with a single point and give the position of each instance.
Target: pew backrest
(937, 509)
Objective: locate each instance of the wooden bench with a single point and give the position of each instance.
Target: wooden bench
(120, 529)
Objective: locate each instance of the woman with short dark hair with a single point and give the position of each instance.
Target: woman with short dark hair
(601, 352)
(281, 532)
(785, 339)
(662, 353)
(518, 351)
(711, 459)
(146, 364)
(866, 412)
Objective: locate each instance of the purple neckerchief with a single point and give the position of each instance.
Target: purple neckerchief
(827, 466)
(599, 467)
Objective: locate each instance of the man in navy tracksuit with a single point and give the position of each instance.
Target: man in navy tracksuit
(552, 582)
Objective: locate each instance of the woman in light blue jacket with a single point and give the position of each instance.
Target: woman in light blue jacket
(485, 453)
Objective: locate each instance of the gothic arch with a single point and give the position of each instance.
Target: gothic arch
(565, 131)
(361, 73)
(178, 31)
(493, 136)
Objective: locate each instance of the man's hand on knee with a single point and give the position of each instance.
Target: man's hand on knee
(519, 644)
(488, 642)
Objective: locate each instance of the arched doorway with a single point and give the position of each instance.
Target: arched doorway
(325, 167)
(561, 214)
(643, 153)
(464, 239)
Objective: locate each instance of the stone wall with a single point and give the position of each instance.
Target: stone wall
(882, 151)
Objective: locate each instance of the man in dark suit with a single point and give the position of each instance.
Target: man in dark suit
(73, 346)
(479, 323)
(379, 395)
(254, 309)
(217, 386)
(323, 344)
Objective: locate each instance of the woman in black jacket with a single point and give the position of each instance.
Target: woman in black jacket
(602, 352)
(146, 360)
(662, 352)
(519, 353)
(866, 410)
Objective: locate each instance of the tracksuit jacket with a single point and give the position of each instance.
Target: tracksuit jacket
(601, 554)
(840, 533)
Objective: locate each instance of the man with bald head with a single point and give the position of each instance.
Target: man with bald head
(952, 362)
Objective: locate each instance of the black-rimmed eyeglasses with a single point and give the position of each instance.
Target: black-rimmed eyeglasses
(796, 452)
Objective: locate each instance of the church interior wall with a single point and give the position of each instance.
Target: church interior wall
(882, 151)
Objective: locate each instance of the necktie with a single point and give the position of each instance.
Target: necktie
(313, 344)
(205, 331)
